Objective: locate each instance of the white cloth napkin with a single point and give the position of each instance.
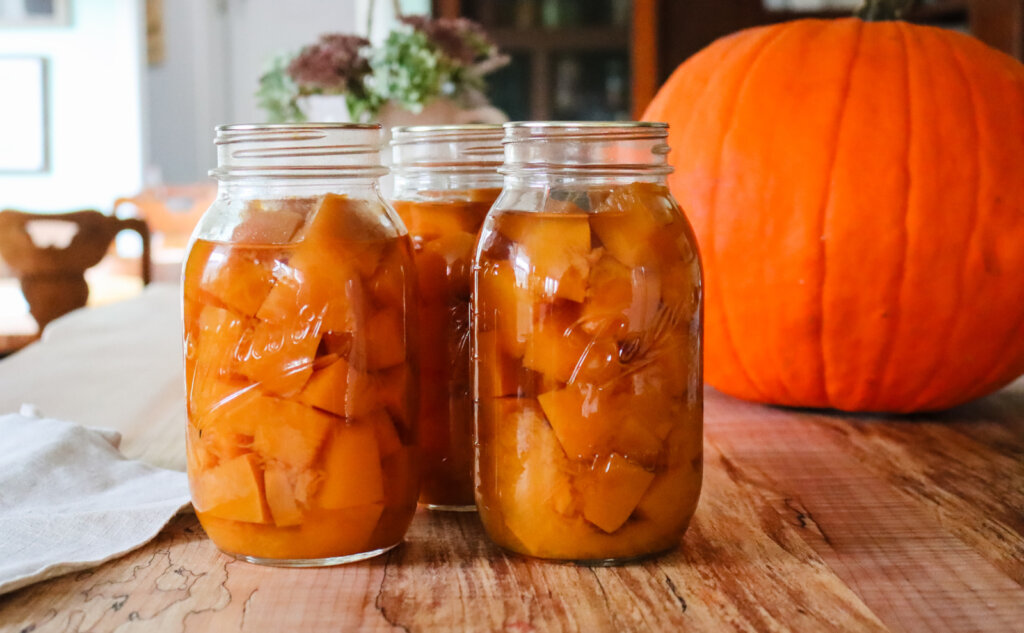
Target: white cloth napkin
(69, 499)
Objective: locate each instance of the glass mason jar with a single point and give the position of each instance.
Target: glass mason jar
(446, 179)
(300, 351)
(587, 332)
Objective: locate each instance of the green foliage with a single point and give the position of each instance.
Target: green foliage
(277, 93)
(408, 70)
(421, 60)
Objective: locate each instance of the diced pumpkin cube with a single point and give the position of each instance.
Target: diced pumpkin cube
(278, 356)
(352, 228)
(530, 475)
(271, 222)
(318, 288)
(395, 389)
(664, 368)
(618, 292)
(504, 306)
(556, 247)
(628, 219)
(456, 250)
(591, 422)
(232, 490)
(218, 336)
(278, 481)
(239, 279)
(500, 375)
(599, 363)
(612, 490)
(289, 432)
(389, 284)
(681, 289)
(213, 393)
(385, 339)
(340, 389)
(671, 499)
(352, 469)
(241, 414)
(427, 220)
(432, 275)
(557, 344)
(388, 441)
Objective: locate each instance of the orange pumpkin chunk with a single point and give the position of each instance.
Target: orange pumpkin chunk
(533, 477)
(239, 279)
(387, 286)
(232, 490)
(288, 431)
(278, 356)
(388, 441)
(504, 306)
(352, 470)
(556, 344)
(500, 375)
(393, 388)
(318, 288)
(278, 481)
(590, 422)
(270, 223)
(616, 291)
(556, 247)
(385, 339)
(427, 220)
(612, 490)
(626, 222)
(210, 350)
(349, 228)
(340, 389)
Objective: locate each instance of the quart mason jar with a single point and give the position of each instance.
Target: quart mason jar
(300, 350)
(587, 332)
(446, 178)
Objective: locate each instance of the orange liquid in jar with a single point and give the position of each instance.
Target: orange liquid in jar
(588, 383)
(444, 234)
(301, 394)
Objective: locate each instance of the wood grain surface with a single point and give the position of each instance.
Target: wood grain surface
(809, 521)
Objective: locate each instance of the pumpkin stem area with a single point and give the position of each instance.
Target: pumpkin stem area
(882, 10)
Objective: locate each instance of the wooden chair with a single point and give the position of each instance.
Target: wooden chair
(53, 278)
(171, 212)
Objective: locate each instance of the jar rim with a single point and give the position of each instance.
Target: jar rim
(559, 125)
(452, 127)
(249, 127)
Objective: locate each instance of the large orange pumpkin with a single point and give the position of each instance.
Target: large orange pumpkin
(857, 190)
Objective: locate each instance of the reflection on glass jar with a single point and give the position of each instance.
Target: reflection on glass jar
(587, 357)
(300, 352)
(446, 179)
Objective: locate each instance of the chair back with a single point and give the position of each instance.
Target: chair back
(52, 278)
(171, 212)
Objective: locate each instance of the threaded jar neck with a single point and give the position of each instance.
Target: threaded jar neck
(300, 151)
(447, 148)
(586, 148)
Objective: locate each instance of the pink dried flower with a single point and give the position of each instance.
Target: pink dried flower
(334, 64)
(461, 40)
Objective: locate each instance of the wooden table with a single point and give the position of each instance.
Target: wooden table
(809, 521)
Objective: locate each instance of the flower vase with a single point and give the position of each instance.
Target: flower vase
(325, 108)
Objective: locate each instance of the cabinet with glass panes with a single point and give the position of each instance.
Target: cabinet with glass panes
(570, 59)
